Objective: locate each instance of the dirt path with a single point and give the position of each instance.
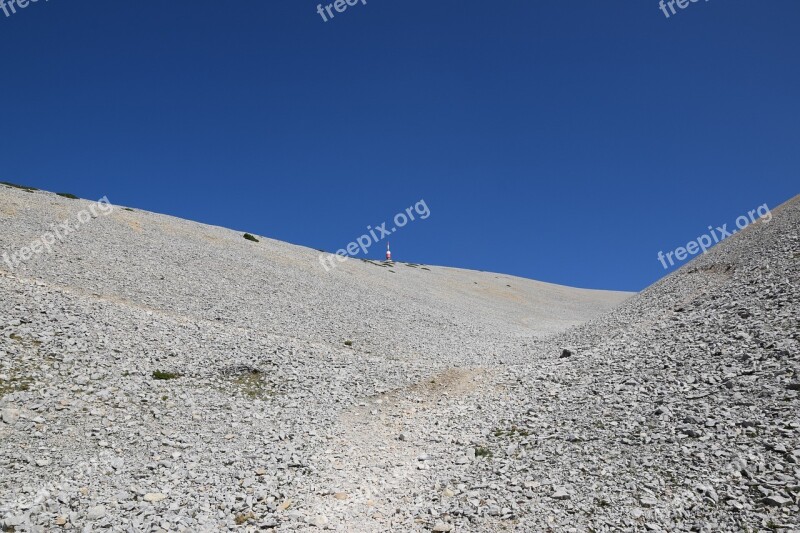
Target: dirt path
(376, 461)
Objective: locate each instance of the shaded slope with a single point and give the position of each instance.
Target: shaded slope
(679, 409)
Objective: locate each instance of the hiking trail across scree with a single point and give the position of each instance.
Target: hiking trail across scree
(379, 457)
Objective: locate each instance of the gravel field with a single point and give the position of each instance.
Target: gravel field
(158, 374)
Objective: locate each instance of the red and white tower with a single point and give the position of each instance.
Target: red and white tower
(388, 252)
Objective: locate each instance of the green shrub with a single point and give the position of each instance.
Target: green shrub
(15, 186)
(482, 452)
(68, 195)
(157, 374)
(348, 343)
(250, 237)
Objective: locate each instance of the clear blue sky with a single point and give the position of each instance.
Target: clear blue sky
(566, 141)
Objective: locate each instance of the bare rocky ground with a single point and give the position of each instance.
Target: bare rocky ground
(452, 407)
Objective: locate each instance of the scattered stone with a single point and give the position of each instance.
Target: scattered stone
(96, 513)
(648, 502)
(776, 501)
(10, 416)
(319, 521)
(285, 505)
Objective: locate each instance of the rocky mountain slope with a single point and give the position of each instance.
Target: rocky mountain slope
(677, 411)
(159, 374)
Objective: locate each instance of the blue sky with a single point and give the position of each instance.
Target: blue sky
(566, 141)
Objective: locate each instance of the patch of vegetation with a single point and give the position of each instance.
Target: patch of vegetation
(68, 195)
(158, 374)
(22, 375)
(127, 209)
(249, 380)
(242, 518)
(513, 432)
(348, 343)
(15, 384)
(602, 502)
(253, 385)
(250, 237)
(20, 339)
(15, 186)
(482, 451)
(425, 268)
